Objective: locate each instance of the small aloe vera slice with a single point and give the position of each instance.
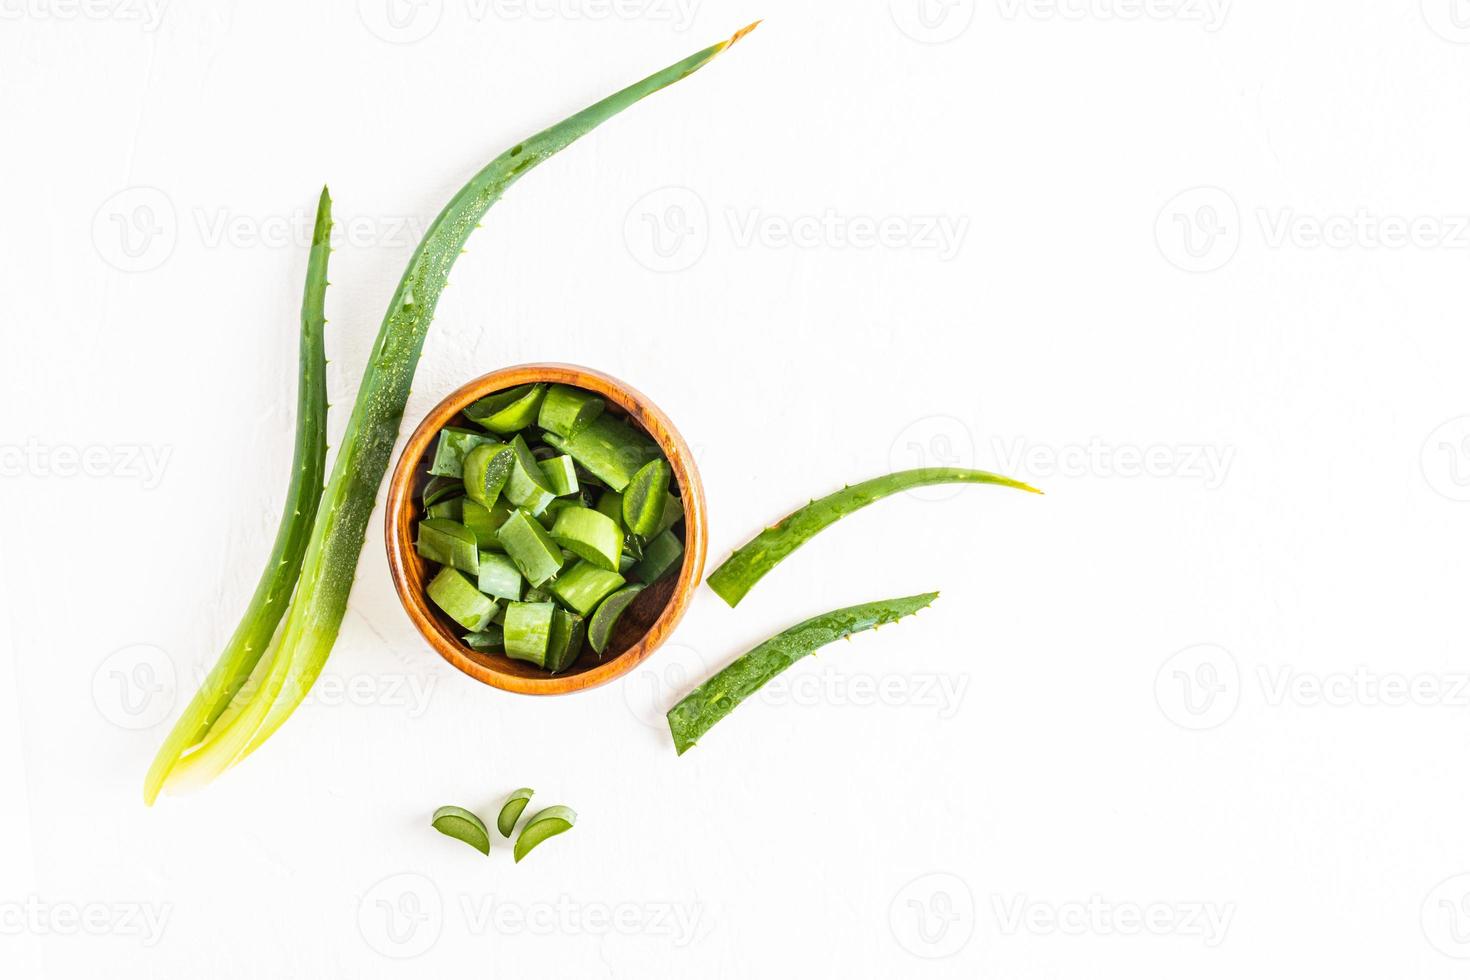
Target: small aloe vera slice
(485, 522)
(643, 499)
(547, 823)
(673, 514)
(565, 645)
(756, 557)
(462, 825)
(527, 630)
(589, 535)
(441, 488)
(487, 468)
(460, 600)
(600, 628)
(448, 543)
(584, 585)
(527, 486)
(453, 445)
(485, 640)
(530, 547)
(660, 556)
(566, 411)
(722, 693)
(511, 810)
(499, 578)
(507, 411)
(561, 474)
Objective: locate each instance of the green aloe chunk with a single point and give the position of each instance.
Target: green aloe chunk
(499, 577)
(511, 809)
(608, 448)
(460, 600)
(548, 823)
(756, 557)
(442, 488)
(487, 467)
(561, 474)
(584, 585)
(527, 630)
(507, 411)
(565, 644)
(528, 487)
(600, 629)
(627, 563)
(660, 556)
(566, 411)
(673, 514)
(590, 535)
(610, 502)
(462, 825)
(487, 639)
(448, 543)
(530, 547)
(644, 497)
(453, 445)
(485, 522)
(722, 693)
(449, 510)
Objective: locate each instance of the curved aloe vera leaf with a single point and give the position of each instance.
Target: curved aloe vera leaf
(308, 470)
(752, 560)
(722, 693)
(510, 812)
(462, 825)
(336, 542)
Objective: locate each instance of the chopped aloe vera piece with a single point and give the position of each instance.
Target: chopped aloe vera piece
(499, 577)
(626, 563)
(527, 487)
(584, 585)
(530, 547)
(507, 411)
(527, 630)
(611, 504)
(643, 498)
(461, 824)
(487, 467)
(511, 809)
(660, 556)
(609, 449)
(567, 411)
(449, 510)
(453, 446)
(565, 645)
(589, 534)
(599, 631)
(460, 600)
(673, 514)
(485, 522)
(548, 823)
(448, 543)
(441, 488)
(485, 640)
(561, 473)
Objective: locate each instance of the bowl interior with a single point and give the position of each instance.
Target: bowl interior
(645, 623)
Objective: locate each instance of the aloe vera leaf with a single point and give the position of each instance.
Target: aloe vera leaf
(722, 693)
(511, 811)
(308, 468)
(337, 537)
(752, 560)
(546, 823)
(609, 610)
(462, 825)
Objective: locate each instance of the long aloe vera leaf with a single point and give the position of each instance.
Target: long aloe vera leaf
(308, 469)
(752, 560)
(748, 673)
(331, 559)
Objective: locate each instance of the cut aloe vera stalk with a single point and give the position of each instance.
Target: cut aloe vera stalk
(611, 504)
(487, 467)
(452, 592)
(527, 487)
(499, 577)
(584, 585)
(609, 449)
(485, 522)
(589, 534)
(462, 825)
(643, 498)
(660, 556)
(453, 446)
(485, 640)
(530, 547)
(449, 510)
(442, 488)
(507, 411)
(447, 543)
(566, 411)
(561, 474)
(548, 823)
(511, 809)
(600, 629)
(527, 630)
(567, 632)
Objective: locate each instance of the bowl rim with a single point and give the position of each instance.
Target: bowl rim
(399, 508)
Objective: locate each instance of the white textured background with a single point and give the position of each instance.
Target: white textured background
(1196, 267)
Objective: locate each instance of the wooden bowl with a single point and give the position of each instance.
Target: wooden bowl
(645, 624)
